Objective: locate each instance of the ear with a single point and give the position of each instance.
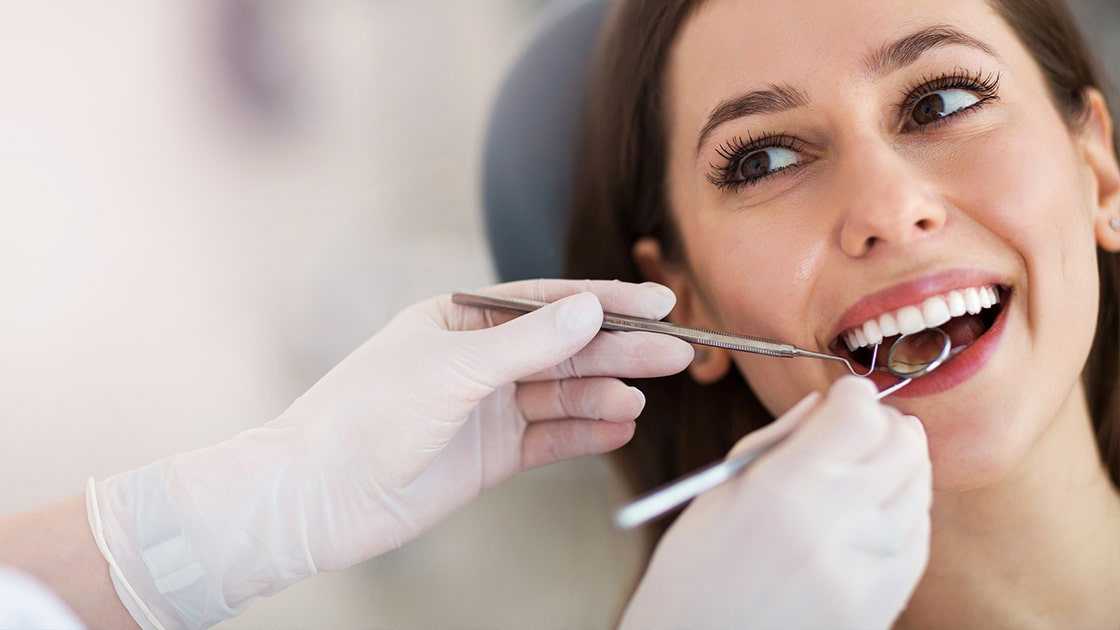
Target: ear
(710, 364)
(1099, 153)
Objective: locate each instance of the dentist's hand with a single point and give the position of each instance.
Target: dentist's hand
(445, 402)
(830, 529)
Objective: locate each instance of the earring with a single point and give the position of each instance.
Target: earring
(702, 355)
(1114, 224)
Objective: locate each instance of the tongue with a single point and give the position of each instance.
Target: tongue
(965, 329)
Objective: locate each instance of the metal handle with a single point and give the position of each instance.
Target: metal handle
(614, 321)
(676, 493)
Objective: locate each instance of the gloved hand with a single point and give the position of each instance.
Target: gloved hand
(443, 403)
(830, 529)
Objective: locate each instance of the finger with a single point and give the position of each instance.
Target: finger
(779, 428)
(529, 344)
(900, 578)
(649, 299)
(886, 529)
(548, 442)
(624, 354)
(845, 427)
(593, 398)
(887, 472)
(888, 582)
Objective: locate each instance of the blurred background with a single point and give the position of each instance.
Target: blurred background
(204, 205)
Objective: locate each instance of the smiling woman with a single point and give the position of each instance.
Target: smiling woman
(835, 175)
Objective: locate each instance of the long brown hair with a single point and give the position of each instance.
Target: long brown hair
(620, 197)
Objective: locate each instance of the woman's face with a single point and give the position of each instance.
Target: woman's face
(838, 167)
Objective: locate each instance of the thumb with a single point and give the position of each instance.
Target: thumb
(536, 341)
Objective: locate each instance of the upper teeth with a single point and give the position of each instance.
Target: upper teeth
(932, 312)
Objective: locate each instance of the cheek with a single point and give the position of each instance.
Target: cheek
(1023, 184)
(754, 276)
(756, 273)
(1037, 204)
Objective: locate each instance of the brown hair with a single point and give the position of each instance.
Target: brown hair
(620, 197)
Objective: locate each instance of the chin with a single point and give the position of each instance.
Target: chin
(975, 462)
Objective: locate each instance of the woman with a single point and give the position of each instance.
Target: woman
(813, 174)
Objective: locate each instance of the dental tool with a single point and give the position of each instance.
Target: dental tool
(668, 497)
(700, 336)
(929, 357)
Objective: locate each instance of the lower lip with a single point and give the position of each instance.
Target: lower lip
(955, 370)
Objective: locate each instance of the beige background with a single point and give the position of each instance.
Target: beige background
(182, 254)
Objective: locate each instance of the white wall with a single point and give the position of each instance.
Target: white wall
(179, 259)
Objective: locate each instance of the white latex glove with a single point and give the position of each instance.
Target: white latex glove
(830, 529)
(437, 407)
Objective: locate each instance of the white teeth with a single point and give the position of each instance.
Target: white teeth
(872, 332)
(888, 325)
(936, 311)
(909, 320)
(956, 304)
(972, 301)
(932, 312)
(988, 297)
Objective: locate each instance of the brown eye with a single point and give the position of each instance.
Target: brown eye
(754, 165)
(762, 163)
(933, 107)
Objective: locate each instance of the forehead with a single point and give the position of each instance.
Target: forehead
(729, 46)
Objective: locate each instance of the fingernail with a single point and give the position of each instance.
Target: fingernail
(854, 384)
(914, 423)
(577, 313)
(666, 294)
(641, 395)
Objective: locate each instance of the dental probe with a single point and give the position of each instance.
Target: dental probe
(700, 336)
(664, 499)
(661, 500)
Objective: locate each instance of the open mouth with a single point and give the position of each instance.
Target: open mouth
(964, 314)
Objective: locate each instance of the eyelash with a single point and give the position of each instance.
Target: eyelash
(732, 152)
(984, 86)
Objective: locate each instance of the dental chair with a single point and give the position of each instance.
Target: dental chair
(527, 174)
(531, 139)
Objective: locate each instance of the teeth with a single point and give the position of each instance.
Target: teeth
(956, 304)
(888, 325)
(932, 312)
(936, 311)
(909, 320)
(972, 301)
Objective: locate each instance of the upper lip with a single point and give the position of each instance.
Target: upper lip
(908, 293)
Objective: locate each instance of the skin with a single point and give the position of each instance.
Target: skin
(54, 544)
(879, 213)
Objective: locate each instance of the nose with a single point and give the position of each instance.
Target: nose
(887, 200)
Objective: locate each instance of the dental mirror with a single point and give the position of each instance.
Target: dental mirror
(918, 354)
(911, 356)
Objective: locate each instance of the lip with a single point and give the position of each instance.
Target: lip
(958, 368)
(955, 370)
(909, 293)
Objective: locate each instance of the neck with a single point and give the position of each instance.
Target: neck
(1039, 548)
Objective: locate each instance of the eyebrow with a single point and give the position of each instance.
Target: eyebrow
(906, 50)
(884, 60)
(774, 99)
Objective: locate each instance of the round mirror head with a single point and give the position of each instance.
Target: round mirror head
(918, 354)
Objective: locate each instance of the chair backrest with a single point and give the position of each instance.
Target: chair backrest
(531, 138)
